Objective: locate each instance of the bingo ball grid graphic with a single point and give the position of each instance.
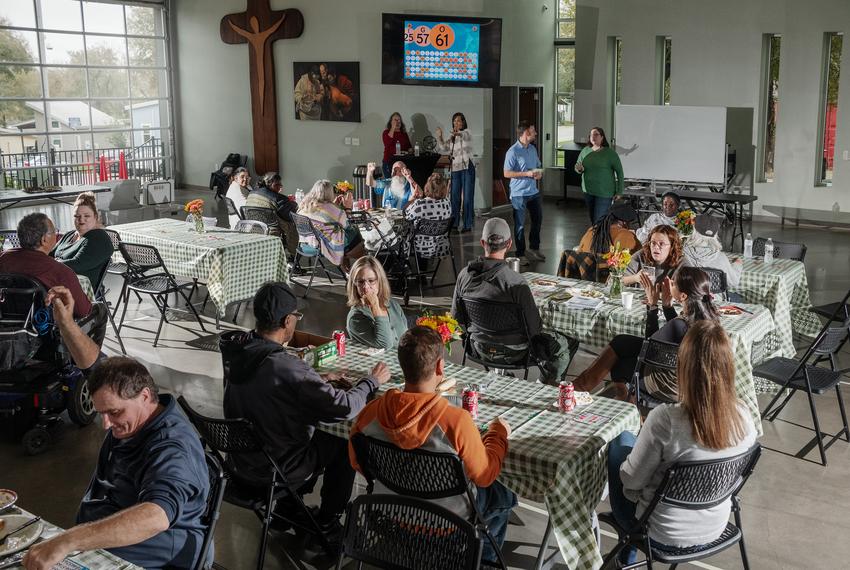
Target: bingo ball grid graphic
(420, 62)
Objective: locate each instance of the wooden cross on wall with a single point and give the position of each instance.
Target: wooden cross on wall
(260, 27)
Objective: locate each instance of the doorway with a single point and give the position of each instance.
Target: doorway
(512, 104)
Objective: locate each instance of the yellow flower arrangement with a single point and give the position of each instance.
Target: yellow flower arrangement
(447, 327)
(685, 222)
(343, 186)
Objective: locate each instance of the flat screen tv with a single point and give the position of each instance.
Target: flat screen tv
(441, 50)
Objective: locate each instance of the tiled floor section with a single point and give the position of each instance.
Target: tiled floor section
(795, 511)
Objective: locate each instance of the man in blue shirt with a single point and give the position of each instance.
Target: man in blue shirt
(149, 490)
(522, 167)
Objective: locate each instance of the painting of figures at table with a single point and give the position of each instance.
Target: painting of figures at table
(327, 91)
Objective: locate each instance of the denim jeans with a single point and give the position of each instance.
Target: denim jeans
(495, 503)
(597, 206)
(535, 210)
(463, 184)
(622, 508)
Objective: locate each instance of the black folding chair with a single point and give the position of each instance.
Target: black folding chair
(393, 249)
(265, 215)
(10, 237)
(718, 283)
(218, 485)
(781, 249)
(100, 296)
(252, 227)
(419, 473)
(493, 319)
(234, 436)
(695, 486)
(656, 354)
(804, 374)
(232, 210)
(118, 268)
(839, 311)
(393, 532)
(141, 260)
(307, 230)
(435, 229)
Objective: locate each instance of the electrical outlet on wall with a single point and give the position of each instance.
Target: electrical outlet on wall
(355, 141)
(347, 140)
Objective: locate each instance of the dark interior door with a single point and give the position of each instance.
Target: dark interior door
(512, 104)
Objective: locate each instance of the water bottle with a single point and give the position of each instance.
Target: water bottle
(768, 251)
(652, 187)
(748, 246)
(416, 149)
(299, 195)
(397, 148)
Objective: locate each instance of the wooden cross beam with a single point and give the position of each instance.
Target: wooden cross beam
(260, 27)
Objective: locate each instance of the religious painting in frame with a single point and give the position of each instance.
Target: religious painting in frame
(327, 91)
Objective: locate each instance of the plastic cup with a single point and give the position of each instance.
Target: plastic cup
(650, 272)
(628, 299)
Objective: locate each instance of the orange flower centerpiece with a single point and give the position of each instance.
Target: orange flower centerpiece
(685, 222)
(447, 327)
(617, 260)
(343, 187)
(196, 210)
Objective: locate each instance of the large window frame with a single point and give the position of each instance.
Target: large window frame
(663, 69)
(104, 57)
(769, 107)
(828, 116)
(615, 79)
(563, 101)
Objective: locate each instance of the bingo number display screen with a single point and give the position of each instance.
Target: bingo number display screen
(441, 51)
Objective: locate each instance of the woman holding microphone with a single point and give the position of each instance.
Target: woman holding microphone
(601, 174)
(459, 149)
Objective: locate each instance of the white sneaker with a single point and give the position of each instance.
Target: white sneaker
(536, 254)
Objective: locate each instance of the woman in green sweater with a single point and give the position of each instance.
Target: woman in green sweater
(374, 319)
(601, 174)
(88, 249)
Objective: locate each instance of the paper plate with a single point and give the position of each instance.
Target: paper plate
(20, 540)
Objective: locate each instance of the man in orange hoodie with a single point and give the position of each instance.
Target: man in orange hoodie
(419, 417)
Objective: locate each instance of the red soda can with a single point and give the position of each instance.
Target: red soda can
(339, 337)
(566, 396)
(469, 400)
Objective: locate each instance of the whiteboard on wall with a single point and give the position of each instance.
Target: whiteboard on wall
(681, 144)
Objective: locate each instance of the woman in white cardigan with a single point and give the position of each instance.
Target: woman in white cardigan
(459, 149)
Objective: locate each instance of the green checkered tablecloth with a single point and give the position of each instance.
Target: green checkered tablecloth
(86, 286)
(596, 328)
(93, 559)
(782, 287)
(232, 264)
(556, 458)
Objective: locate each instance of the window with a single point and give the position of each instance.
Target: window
(829, 106)
(565, 66)
(663, 48)
(769, 106)
(96, 69)
(566, 19)
(615, 74)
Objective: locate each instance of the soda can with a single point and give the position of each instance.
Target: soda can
(339, 337)
(469, 400)
(566, 396)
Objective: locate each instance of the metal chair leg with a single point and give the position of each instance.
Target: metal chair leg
(117, 335)
(162, 311)
(843, 412)
(818, 434)
(192, 308)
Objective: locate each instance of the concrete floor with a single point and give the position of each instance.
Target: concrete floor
(794, 510)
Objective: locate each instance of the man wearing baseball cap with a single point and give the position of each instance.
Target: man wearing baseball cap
(285, 399)
(489, 278)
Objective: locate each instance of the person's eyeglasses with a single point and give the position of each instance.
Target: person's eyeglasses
(659, 244)
(297, 314)
(362, 282)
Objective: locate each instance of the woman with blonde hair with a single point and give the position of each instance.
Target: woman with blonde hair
(86, 250)
(374, 319)
(340, 242)
(708, 422)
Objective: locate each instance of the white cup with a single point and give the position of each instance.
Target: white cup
(650, 272)
(628, 298)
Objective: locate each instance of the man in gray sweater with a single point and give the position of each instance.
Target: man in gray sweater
(488, 278)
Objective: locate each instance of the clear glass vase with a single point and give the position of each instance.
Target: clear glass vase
(615, 285)
(199, 223)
